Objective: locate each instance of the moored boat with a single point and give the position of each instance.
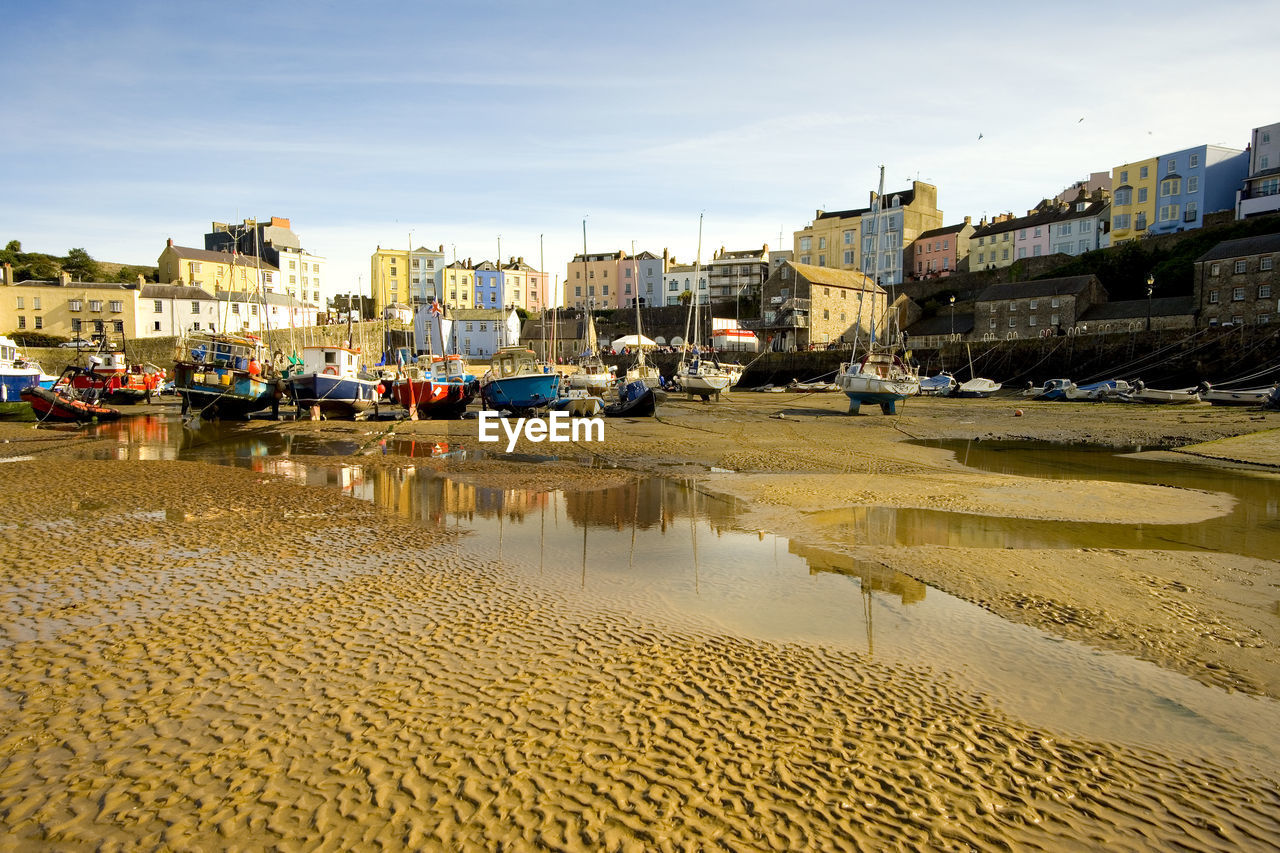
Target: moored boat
(63, 403)
(332, 381)
(881, 377)
(1142, 394)
(114, 380)
(635, 400)
(592, 376)
(940, 385)
(16, 374)
(1229, 397)
(437, 386)
(976, 388)
(1053, 389)
(515, 381)
(221, 376)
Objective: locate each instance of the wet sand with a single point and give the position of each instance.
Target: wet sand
(198, 657)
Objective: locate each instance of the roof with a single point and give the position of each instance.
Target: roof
(1264, 173)
(950, 229)
(843, 214)
(942, 325)
(1137, 308)
(1245, 246)
(833, 277)
(221, 257)
(905, 197)
(96, 285)
(477, 314)
(174, 291)
(1034, 289)
(282, 299)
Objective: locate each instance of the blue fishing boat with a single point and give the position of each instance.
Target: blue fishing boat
(18, 373)
(332, 380)
(517, 382)
(221, 376)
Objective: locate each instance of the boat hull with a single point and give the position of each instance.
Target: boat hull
(56, 405)
(340, 396)
(1250, 397)
(441, 400)
(521, 393)
(219, 392)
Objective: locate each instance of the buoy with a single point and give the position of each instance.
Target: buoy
(1017, 413)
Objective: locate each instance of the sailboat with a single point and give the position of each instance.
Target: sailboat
(641, 371)
(881, 376)
(694, 373)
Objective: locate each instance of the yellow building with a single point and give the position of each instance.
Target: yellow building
(1133, 199)
(830, 240)
(458, 288)
(389, 278)
(70, 308)
(216, 271)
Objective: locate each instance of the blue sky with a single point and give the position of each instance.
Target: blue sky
(129, 123)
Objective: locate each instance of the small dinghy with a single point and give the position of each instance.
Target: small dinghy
(635, 400)
(58, 404)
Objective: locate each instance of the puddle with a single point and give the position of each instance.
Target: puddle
(663, 549)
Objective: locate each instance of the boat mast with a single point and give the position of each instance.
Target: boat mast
(635, 274)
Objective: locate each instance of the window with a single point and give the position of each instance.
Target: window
(1142, 195)
(1124, 196)
(1265, 162)
(19, 303)
(117, 305)
(1241, 266)
(1194, 161)
(196, 326)
(94, 304)
(1264, 264)
(1035, 251)
(1066, 228)
(826, 314)
(293, 279)
(848, 238)
(1143, 172)
(1168, 212)
(1013, 306)
(804, 259)
(1037, 231)
(39, 322)
(946, 263)
(1124, 178)
(1189, 215)
(848, 257)
(1013, 323)
(1004, 254)
(235, 307)
(118, 325)
(1237, 294)
(1031, 321)
(1084, 246)
(22, 322)
(195, 266)
(75, 325)
(1264, 291)
(74, 305)
(1054, 319)
(1140, 221)
(806, 243)
(822, 242)
(35, 304)
(1213, 297)
(981, 257)
(1214, 269)
(1120, 221)
(822, 260)
(993, 322)
(1263, 319)
(1054, 302)
(1193, 184)
(1170, 166)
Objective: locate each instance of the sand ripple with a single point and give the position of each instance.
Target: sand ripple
(213, 661)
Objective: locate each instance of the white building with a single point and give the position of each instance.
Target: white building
(882, 251)
(242, 312)
(473, 333)
(1082, 227)
(679, 278)
(166, 310)
(426, 267)
(1261, 193)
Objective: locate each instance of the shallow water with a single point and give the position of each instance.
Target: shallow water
(664, 549)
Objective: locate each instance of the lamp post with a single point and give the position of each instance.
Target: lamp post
(1151, 286)
(952, 300)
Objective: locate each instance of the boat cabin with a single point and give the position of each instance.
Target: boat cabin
(226, 351)
(334, 361)
(514, 361)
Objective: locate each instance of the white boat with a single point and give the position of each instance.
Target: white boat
(976, 387)
(1241, 397)
(17, 373)
(938, 386)
(333, 382)
(695, 374)
(1109, 389)
(592, 376)
(1142, 394)
(880, 377)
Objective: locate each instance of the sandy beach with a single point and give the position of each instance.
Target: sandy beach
(203, 656)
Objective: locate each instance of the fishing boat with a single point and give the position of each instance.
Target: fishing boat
(940, 385)
(332, 381)
(63, 403)
(635, 400)
(17, 373)
(1108, 389)
(218, 375)
(116, 381)
(1227, 397)
(437, 386)
(515, 381)
(695, 374)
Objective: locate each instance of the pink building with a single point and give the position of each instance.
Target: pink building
(939, 252)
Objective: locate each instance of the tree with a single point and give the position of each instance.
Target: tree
(14, 246)
(686, 297)
(80, 266)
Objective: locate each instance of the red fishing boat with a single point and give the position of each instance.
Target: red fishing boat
(438, 387)
(63, 403)
(112, 379)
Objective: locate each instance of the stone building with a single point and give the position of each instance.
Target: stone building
(809, 306)
(1026, 309)
(1236, 282)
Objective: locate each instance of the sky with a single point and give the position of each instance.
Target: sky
(461, 124)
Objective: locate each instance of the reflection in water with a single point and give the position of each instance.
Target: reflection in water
(628, 550)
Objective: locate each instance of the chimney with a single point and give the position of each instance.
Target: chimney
(142, 281)
(441, 249)
(64, 278)
(968, 220)
(7, 275)
(169, 242)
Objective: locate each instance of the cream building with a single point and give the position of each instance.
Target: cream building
(216, 271)
(69, 308)
(832, 240)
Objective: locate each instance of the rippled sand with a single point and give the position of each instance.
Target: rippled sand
(195, 657)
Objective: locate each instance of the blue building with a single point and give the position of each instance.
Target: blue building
(488, 285)
(1196, 181)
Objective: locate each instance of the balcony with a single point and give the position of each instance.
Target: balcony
(789, 314)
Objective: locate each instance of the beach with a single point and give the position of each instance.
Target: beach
(209, 656)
